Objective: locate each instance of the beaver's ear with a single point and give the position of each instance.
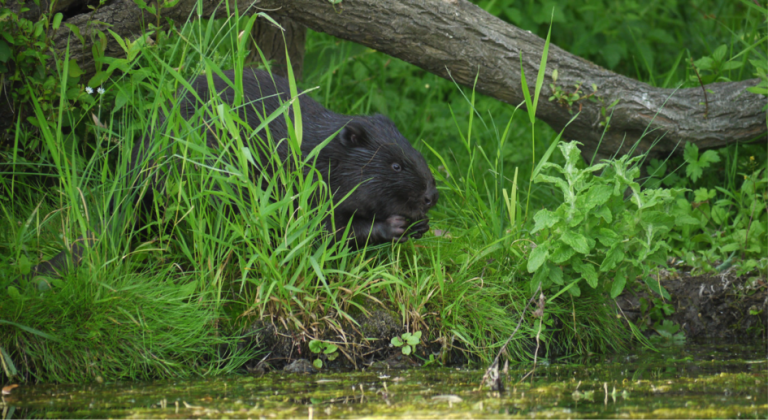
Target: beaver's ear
(353, 135)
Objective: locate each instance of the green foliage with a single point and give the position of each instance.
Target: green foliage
(328, 349)
(669, 334)
(695, 163)
(761, 64)
(712, 68)
(32, 71)
(595, 235)
(651, 41)
(720, 222)
(407, 342)
(656, 310)
(565, 98)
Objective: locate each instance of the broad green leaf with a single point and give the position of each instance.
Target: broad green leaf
(597, 195)
(619, 281)
(709, 157)
(316, 346)
(608, 237)
(702, 194)
(704, 63)
(561, 253)
(654, 285)
(587, 271)
(657, 218)
(684, 219)
(57, 21)
(74, 69)
(98, 79)
(13, 293)
(719, 53)
(540, 278)
(544, 218)
(24, 265)
(538, 256)
(5, 51)
(556, 274)
(613, 257)
(412, 338)
(554, 180)
(576, 240)
(719, 215)
(574, 290)
(120, 100)
(758, 90)
(575, 215)
(603, 212)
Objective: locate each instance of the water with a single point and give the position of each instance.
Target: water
(697, 381)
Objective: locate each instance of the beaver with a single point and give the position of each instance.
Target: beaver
(378, 181)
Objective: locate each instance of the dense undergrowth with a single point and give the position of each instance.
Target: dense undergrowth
(171, 296)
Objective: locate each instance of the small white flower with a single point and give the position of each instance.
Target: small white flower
(100, 90)
(89, 90)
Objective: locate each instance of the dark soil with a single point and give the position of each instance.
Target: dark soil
(719, 306)
(705, 307)
(359, 344)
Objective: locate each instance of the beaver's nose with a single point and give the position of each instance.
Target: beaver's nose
(430, 197)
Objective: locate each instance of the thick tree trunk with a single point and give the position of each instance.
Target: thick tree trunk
(456, 39)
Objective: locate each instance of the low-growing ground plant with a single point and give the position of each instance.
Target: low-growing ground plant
(329, 350)
(407, 342)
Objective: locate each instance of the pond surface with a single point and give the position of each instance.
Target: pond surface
(695, 381)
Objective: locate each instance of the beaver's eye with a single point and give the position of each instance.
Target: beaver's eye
(396, 167)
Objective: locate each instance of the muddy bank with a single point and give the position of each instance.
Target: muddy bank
(707, 307)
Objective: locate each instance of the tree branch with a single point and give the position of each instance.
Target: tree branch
(456, 39)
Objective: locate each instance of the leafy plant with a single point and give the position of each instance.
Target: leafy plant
(695, 163)
(595, 234)
(719, 222)
(649, 41)
(656, 310)
(322, 347)
(33, 73)
(711, 68)
(566, 99)
(407, 342)
(669, 334)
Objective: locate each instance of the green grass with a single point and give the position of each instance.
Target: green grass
(172, 299)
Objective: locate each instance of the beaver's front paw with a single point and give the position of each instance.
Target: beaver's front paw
(418, 229)
(395, 229)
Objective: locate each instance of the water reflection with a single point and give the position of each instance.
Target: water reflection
(701, 381)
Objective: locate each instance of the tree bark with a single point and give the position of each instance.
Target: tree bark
(456, 39)
(269, 38)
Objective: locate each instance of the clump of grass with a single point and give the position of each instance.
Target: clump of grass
(94, 326)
